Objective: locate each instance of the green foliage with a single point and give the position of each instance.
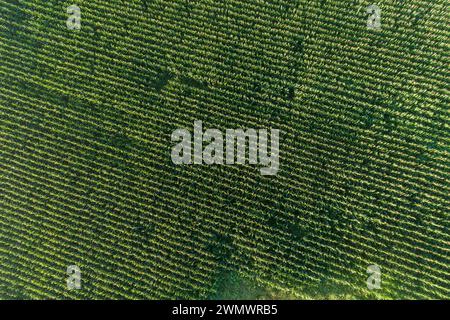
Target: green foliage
(86, 176)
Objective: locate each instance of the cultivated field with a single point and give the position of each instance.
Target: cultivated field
(86, 177)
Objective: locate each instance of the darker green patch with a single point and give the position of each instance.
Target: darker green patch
(161, 80)
(389, 123)
(291, 93)
(298, 45)
(193, 83)
(231, 286)
(221, 246)
(273, 221)
(297, 231)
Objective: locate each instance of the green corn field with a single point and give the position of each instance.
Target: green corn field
(87, 180)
